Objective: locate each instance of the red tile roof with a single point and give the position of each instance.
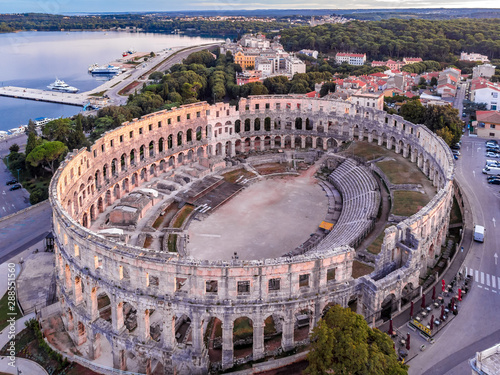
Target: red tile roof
(492, 117)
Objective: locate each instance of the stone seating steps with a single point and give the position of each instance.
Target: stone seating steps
(360, 202)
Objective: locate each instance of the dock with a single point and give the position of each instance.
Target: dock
(45, 95)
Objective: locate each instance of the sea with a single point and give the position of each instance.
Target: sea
(34, 59)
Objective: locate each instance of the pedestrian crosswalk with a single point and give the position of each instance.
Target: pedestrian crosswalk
(484, 280)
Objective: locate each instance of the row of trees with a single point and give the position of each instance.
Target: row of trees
(396, 38)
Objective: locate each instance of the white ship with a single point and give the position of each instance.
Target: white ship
(106, 70)
(62, 86)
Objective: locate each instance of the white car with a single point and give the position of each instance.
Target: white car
(490, 154)
(455, 152)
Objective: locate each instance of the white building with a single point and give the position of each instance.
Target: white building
(294, 65)
(375, 101)
(350, 58)
(485, 70)
(265, 65)
(488, 94)
(309, 52)
(464, 56)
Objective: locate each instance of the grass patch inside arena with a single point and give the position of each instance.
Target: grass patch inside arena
(366, 151)
(402, 171)
(271, 168)
(407, 203)
(360, 269)
(238, 175)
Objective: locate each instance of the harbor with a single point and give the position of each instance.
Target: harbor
(45, 95)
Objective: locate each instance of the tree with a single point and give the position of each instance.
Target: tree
(57, 130)
(327, 88)
(413, 111)
(48, 153)
(32, 142)
(14, 148)
(76, 137)
(434, 81)
(343, 343)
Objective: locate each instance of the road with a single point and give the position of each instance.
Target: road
(118, 83)
(24, 229)
(477, 326)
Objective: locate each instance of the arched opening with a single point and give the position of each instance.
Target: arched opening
(331, 143)
(273, 333)
(92, 213)
(81, 334)
(267, 143)
(248, 145)
(309, 142)
(132, 157)
(199, 135)
(243, 337)
(180, 158)
(200, 153)
(170, 141)
(107, 197)
(162, 165)
(114, 166)
(190, 155)
(247, 125)
(126, 186)
(218, 149)
(309, 124)
(298, 123)
(85, 220)
(100, 205)
(277, 142)
(267, 124)
(288, 142)
(160, 145)
(303, 325)
(179, 139)
(116, 191)
(228, 148)
(189, 135)
(183, 329)
(151, 149)
(104, 306)
(408, 293)
(257, 144)
(297, 142)
(212, 338)
(171, 161)
(256, 124)
(321, 128)
(144, 173)
(141, 153)
(129, 316)
(238, 146)
(388, 306)
(123, 162)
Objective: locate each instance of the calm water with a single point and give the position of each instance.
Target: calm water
(34, 59)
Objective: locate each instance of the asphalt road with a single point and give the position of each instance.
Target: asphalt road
(24, 229)
(477, 326)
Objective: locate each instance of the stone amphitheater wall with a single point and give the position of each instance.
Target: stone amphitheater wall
(165, 285)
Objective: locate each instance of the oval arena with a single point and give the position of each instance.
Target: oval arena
(135, 296)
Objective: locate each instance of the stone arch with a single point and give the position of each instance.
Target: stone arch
(408, 293)
(100, 205)
(70, 322)
(200, 152)
(331, 143)
(247, 125)
(162, 165)
(297, 142)
(227, 148)
(92, 213)
(123, 162)
(170, 141)
(298, 123)
(135, 179)
(151, 147)
(248, 145)
(256, 124)
(189, 135)
(319, 142)
(152, 169)
(288, 142)
(257, 144)
(171, 161)
(81, 334)
(104, 306)
(132, 156)
(267, 124)
(129, 316)
(183, 329)
(116, 191)
(273, 333)
(388, 306)
(190, 155)
(212, 338)
(242, 337)
(237, 126)
(85, 220)
(180, 158)
(179, 139)
(142, 152)
(267, 143)
(238, 146)
(114, 167)
(218, 149)
(277, 141)
(309, 142)
(309, 124)
(303, 323)
(320, 128)
(144, 174)
(126, 185)
(161, 145)
(199, 133)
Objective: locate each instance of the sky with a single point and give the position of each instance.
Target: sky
(67, 6)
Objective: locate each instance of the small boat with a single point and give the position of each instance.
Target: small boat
(60, 85)
(108, 70)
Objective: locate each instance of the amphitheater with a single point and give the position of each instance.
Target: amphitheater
(141, 289)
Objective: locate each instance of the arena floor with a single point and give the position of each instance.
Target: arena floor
(265, 220)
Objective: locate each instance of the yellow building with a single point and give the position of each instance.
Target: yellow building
(488, 124)
(246, 60)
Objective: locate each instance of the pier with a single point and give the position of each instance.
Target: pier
(45, 95)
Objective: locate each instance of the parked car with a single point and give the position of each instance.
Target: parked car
(456, 146)
(15, 187)
(11, 182)
(455, 152)
(494, 181)
(491, 154)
